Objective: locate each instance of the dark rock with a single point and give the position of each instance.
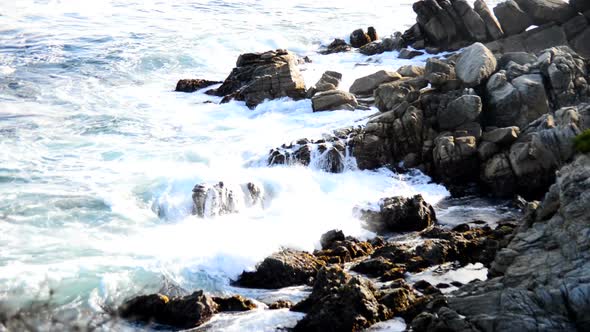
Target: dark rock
(438, 72)
(486, 150)
(492, 25)
(580, 5)
(180, 312)
(459, 112)
(359, 38)
(541, 38)
(512, 18)
(234, 303)
(372, 33)
(405, 53)
(282, 269)
(580, 43)
(368, 84)
(260, 76)
(400, 214)
(337, 46)
(474, 24)
(334, 100)
(521, 58)
(280, 304)
(502, 136)
(547, 11)
(192, 85)
(455, 158)
(575, 26)
(328, 238)
(374, 267)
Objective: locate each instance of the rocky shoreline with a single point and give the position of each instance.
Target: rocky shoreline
(504, 115)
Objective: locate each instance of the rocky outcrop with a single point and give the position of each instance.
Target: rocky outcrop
(260, 76)
(192, 85)
(179, 312)
(219, 199)
(282, 269)
(359, 38)
(540, 279)
(400, 214)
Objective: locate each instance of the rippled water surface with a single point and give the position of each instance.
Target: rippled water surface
(99, 156)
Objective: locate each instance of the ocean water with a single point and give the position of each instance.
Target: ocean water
(98, 155)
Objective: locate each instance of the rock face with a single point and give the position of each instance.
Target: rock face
(475, 64)
(192, 85)
(400, 214)
(219, 199)
(366, 85)
(282, 269)
(179, 312)
(260, 76)
(550, 251)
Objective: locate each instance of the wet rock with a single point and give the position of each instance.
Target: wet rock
(334, 100)
(283, 269)
(192, 85)
(280, 304)
(374, 267)
(512, 18)
(359, 38)
(337, 46)
(338, 250)
(260, 76)
(475, 64)
(400, 214)
(327, 240)
(180, 312)
(405, 53)
(234, 303)
(460, 111)
(219, 199)
(366, 85)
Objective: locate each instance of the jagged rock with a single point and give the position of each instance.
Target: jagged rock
(219, 199)
(492, 25)
(368, 84)
(340, 303)
(390, 95)
(234, 303)
(459, 112)
(329, 81)
(334, 100)
(282, 269)
(328, 238)
(337, 46)
(475, 64)
(411, 71)
(260, 76)
(400, 214)
(547, 11)
(359, 38)
(502, 136)
(550, 253)
(180, 312)
(192, 85)
(455, 158)
(512, 18)
(405, 53)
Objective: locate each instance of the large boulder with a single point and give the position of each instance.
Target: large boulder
(460, 111)
(282, 269)
(475, 64)
(329, 81)
(179, 312)
(260, 76)
(400, 214)
(547, 11)
(492, 25)
(512, 18)
(334, 100)
(366, 85)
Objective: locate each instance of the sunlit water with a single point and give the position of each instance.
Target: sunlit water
(99, 156)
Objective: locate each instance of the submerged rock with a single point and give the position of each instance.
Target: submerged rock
(219, 199)
(234, 303)
(192, 85)
(337, 46)
(180, 312)
(282, 269)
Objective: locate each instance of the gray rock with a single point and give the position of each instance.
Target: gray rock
(503, 102)
(333, 100)
(411, 71)
(438, 72)
(390, 95)
(575, 26)
(474, 24)
(547, 11)
(533, 97)
(512, 18)
(405, 53)
(521, 58)
(580, 43)
(455, 158)
(460, 111)
(192, 85)
(492, 25)
(502, 136)
(475, 64)
(368, 84)
(400, 214)
(541, 38)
